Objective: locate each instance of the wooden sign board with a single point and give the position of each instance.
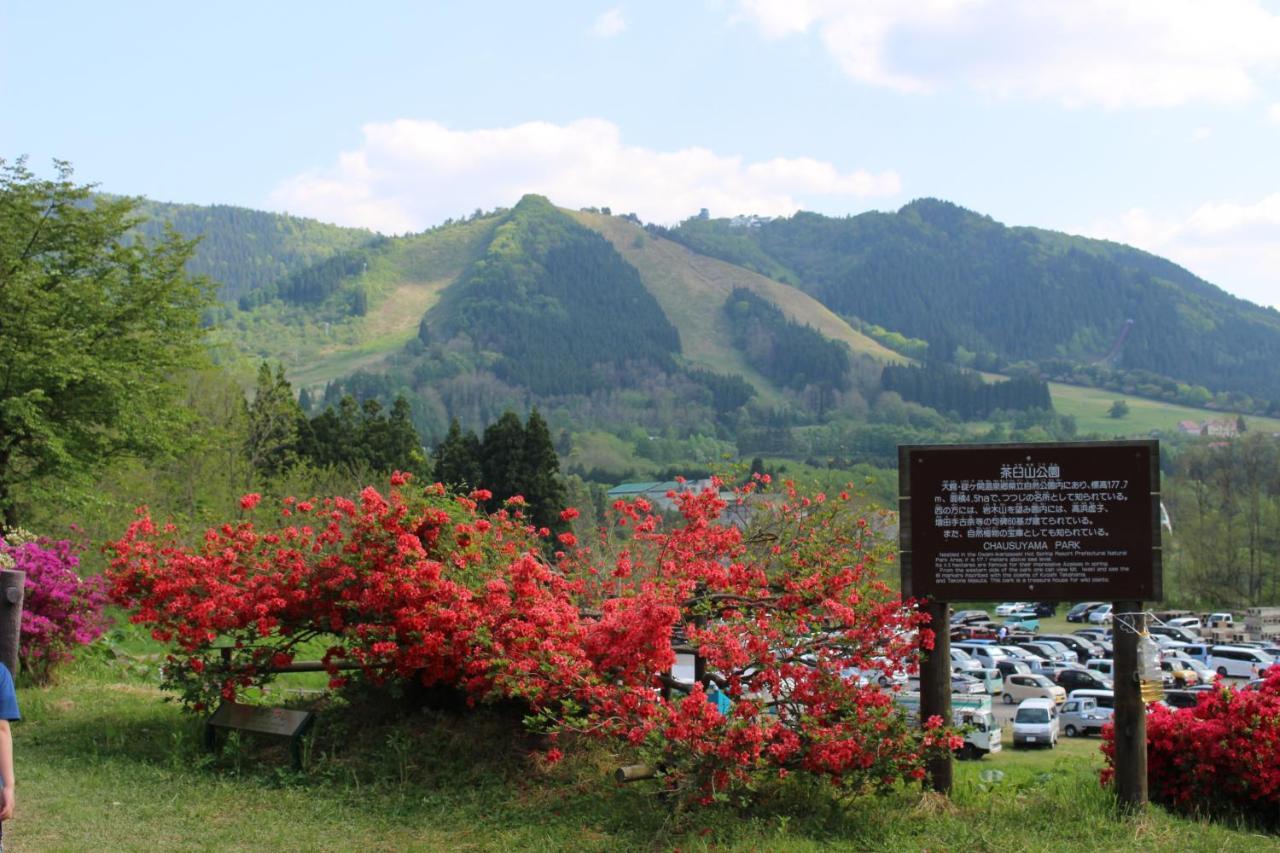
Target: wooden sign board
(252, 718)
(1046, 522)
(259, 720)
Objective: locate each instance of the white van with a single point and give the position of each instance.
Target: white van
(1036, 723)
(1238, 661)
(1102, 666)
(1104, 698)
(1195, 651)
(983, 653)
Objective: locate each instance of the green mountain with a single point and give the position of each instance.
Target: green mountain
(554, 300)
(247, 250)
(936, 271)
(719, 326)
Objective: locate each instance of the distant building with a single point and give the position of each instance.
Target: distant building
(1189, 427)
(1226, 428)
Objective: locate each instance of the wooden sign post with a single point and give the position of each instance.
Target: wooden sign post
(1020, 522)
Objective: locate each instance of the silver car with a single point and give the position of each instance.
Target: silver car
(1082, 716)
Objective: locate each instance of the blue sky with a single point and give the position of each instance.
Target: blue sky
(1151, 122)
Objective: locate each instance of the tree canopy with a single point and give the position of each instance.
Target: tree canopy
(95, 329)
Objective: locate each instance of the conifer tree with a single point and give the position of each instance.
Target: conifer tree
(272, 443)
(457, 459)
(542, 487)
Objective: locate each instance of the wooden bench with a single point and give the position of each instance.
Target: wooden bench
(260, 720)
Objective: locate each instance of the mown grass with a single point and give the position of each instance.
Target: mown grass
(105, 763)
(1090, 407)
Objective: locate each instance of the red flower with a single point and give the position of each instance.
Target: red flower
(250, 501)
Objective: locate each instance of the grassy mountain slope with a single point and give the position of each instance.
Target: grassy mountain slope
(246, 249)
(936, 271)
(692, 290)
(402, 282)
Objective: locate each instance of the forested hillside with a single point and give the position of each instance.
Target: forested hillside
(555, 300)
(247, 250)
(995, 295)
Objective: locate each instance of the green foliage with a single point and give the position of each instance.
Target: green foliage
(94, 329)
(949, 389)
(248, 250)
(789, 353)
(555, 299)
(273, 417)
(513, 459)
(1119, 409)
(937, 272)
(457, 459)
(362, 437)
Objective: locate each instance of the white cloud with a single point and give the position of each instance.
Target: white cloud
(1131, 53)
(609, 24)
(408, 175)
(1200, 134)
(1231, 244)
(1273, 113)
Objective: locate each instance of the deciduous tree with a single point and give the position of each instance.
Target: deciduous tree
(95, 330)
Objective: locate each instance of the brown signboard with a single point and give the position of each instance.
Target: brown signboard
(1045, 522)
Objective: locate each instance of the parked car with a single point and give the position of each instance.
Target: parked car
(1093, 635)
(1195, 651)
(1104, 698)
(1191, 623)
(961, 617)
(1204, 675)
(1182, 698)
(961, 683)
(1068, 655)
(1103, 666)
(1043, 650)
(1019, 653)
(975, 631)
(1010, 606)
(1019, 687)
(984, 653)
(1012, 666)
(1082, 716)
(1178, 673)
(1082, 646)
(1173, 632)
(1076, 679)
(1221, 620)
(1100, 615)
(1080, 612)
(1036, 723)
(1046, 608)
(962, 662)
(1238, 661)
(1023, 620)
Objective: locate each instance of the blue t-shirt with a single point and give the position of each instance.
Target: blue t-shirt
(8, 698)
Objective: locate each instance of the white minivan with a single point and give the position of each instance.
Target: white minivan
(1238, 661)
(1036, 723)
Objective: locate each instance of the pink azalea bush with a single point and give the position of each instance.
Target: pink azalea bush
(61, 610)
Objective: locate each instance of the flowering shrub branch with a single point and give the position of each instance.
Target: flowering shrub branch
(420, 585)
(60, 609)
(1220, 757)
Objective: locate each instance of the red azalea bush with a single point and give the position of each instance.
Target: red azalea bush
(61, 610)
(1220, 757)
(427, 587)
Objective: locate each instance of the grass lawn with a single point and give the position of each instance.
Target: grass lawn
(1090, 406)
(104, 763)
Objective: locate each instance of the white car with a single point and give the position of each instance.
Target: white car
(1101, 615)
(1036, 723)
(1011, 607)
(1020, 687)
